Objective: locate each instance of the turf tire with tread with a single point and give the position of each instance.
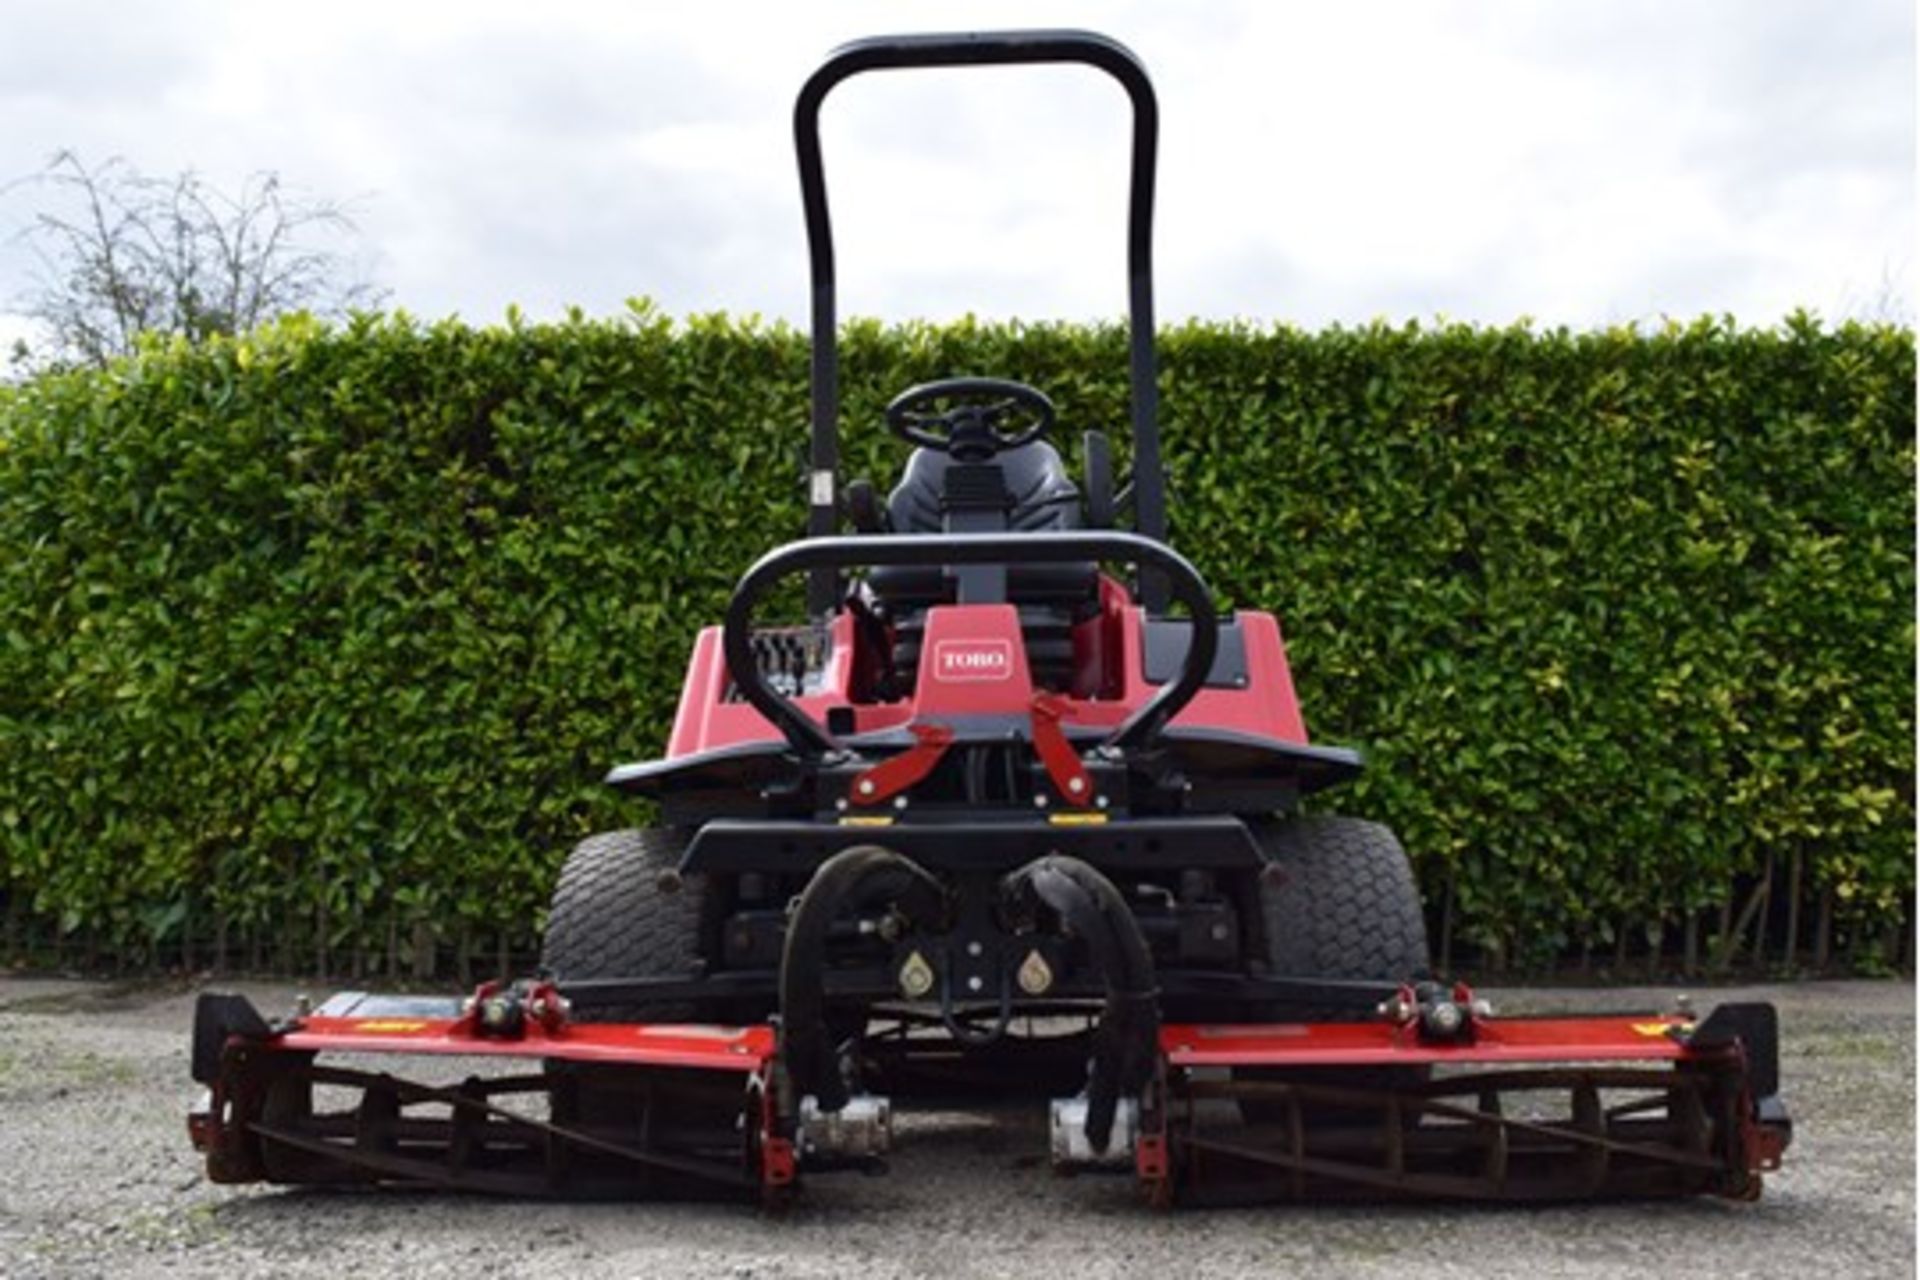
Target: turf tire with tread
(611, 919)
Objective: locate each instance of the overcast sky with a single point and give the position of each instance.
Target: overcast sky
(1577, 161)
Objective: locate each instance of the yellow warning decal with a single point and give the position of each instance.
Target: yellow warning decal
(865, 820)
(1077, 819)
(393, 1025)
(1655, 1028)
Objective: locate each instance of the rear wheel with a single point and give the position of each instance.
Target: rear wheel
(1339, 903)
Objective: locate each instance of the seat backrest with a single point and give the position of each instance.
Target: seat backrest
(1036, 480)
(1041, 499)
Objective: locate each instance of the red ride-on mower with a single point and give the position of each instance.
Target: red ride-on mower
(992, 822)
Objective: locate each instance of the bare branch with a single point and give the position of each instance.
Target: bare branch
(121, 254)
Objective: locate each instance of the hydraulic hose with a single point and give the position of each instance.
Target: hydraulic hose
(1126, 1044)
(851, 878)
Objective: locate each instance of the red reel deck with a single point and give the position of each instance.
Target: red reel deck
(519, 1102)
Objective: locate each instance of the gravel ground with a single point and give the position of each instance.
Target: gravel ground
(96, 1178)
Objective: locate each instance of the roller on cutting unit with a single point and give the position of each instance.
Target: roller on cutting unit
(1014, 814)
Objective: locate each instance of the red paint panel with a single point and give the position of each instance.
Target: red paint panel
(704, 722)
(742, 1049)
(1267, 706)
(975, 664)
(1096, 644)
(1531, 1040)
(747, 1049)
(699, 695)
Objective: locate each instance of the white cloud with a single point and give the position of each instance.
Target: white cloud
(1585, 162)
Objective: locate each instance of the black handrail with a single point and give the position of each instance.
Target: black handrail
(812, 741)
(967, 50)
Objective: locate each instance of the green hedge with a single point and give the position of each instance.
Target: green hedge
(314, 644)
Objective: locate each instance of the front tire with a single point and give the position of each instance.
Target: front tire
(611, 918)
(1340, 902)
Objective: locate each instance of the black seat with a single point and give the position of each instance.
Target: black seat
(1036, 481)
(1040, 498)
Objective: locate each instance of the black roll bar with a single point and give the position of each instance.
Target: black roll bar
(968, 50)
(811, 741)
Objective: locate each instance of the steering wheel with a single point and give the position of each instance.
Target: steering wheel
(970, 428)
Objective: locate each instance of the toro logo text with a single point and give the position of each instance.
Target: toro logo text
(961, 660)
